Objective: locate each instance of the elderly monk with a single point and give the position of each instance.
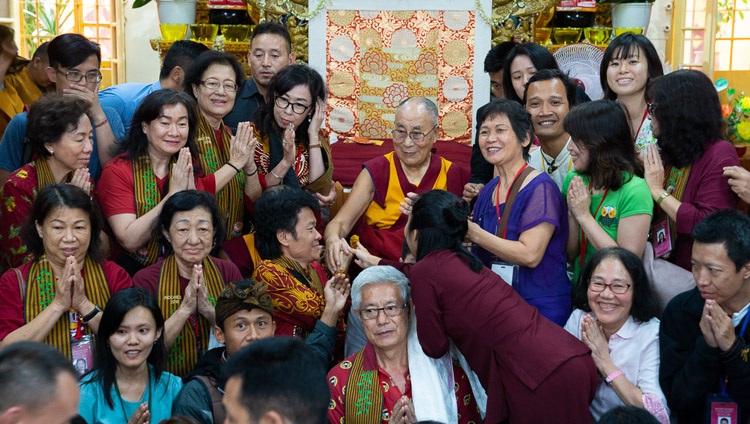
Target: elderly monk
(388, 378)
(373, 208)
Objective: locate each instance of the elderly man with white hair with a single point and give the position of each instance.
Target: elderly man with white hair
(390, 379)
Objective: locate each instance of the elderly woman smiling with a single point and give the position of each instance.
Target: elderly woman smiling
(187, 282)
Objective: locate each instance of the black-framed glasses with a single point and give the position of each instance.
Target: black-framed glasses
(76, 76)
(390, 310)
(214, 85)
(416, 136)
(651, 108)
(283, 103)
(617, 287)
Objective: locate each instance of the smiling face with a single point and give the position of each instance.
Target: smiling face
(384, 332)
(611, 310)
(298, 95)
(628, 76)
(413, 117)
(547, 102)
(498, 141)
(73, 150)
(304, 247)
(90, 66)
(216, 103)
(168, 133)
(717, 277)
(579, 154)
(244, 327)
(133, 340)
(65, 232)
(521, 70)
(191, 234)
(269, 53)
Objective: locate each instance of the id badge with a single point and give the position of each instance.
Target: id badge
(508, 272)
(721, 409)
(83, 353)
(661, 237)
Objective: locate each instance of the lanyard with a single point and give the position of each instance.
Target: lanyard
(122, 402)
(723, 381)
(497, 195)
(585, 241)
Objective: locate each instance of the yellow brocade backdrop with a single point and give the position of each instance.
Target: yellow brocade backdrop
(376, 59)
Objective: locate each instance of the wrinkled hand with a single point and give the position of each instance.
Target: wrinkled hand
(203, 304)
(363, 257)
(141, 415)
(739, 181)
(82, 179)
(593, 336)
(317, 119)
(287, 143)
(408, 203)
(653, 169)
(182, 172)
(403, 412)
(336, 292)
(65, 285)
(326, 200)
(336, 251)
(579, 199)
(471, 190)
(189, 302)
(720, 324)
(242, 145)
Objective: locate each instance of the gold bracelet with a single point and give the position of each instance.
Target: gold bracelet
(662, 197)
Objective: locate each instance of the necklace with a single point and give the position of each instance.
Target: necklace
(551, 165)
(122, 401)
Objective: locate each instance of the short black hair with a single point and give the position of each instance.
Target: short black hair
(495, 59)
(55, 196)
(549, 74)
(277, 210)
(70, 50)
(52, 116)
(181, 53)
(645, 303)
(520, 120)
(187, 200)
(194, 73)
(729, 227)
(41, 51)
(273, 28)
(281, 374)
(29, 373)
(539, 56)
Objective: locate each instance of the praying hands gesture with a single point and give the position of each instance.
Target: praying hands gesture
(242, 146)
(81, 178)
(403, 412)
(592, 336)
(716, 326)
(195, 300)
(182, 177)
(141, 415)
(579, 199)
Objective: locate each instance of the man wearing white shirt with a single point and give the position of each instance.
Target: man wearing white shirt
(549, 95)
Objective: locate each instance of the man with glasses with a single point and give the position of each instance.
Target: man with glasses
(373, 209)
(270, 52)
(74, 68)
(388, 380)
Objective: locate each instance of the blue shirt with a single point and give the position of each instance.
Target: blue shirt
(11, 146)
(125, 99)
(94, 408)
(246, 103)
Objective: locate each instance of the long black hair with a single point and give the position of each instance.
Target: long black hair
(441, 220)
(105, 364)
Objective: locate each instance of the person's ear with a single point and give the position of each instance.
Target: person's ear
(158, 334)
(177, 76)
(14, 414)
(51, 74)
(284, 237)
(219, 335)
(272, 417)
(38, 228)
(746, 271)
(166, 235)
(292, 58)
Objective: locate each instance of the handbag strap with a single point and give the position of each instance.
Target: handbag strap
(514, 189)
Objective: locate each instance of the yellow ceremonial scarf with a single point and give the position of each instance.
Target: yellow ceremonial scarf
(147, 196)
(212, 157)
(183, 355)
(44, 175)
(40, 291)
(364, 396)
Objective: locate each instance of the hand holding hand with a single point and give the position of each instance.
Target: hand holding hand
(336, 251)
(363, 257)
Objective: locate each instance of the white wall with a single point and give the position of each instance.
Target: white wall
(141, 63)
(660, 26)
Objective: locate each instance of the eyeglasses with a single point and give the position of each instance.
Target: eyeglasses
(75, 76)
(616, 287)
(651, 108)
(416, 136)
(214, 85)
(283, 103)
(390, 310)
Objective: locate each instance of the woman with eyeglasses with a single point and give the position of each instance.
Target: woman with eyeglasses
(213, 80)
(292, 148)
(616, 318)
(689, 178)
